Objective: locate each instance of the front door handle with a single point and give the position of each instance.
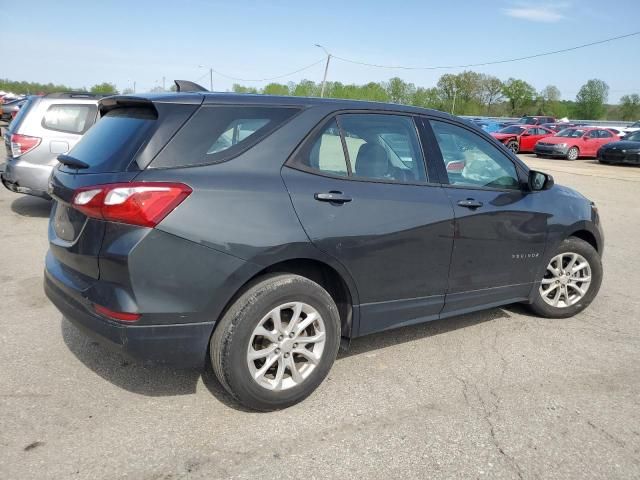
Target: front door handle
(470, 203)
(332, 197)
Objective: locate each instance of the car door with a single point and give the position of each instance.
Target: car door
(604, 137)
(529, 138)
(499, 236)
(360, 189)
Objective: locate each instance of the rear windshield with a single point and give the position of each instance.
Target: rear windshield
(218, 133)
(112, 143)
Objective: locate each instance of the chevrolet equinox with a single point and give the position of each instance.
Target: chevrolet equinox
(260, 232)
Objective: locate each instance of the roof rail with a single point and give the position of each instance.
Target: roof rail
(187, 86)
(75, 95)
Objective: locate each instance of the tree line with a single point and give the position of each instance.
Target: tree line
(466, 93)
(472, 93)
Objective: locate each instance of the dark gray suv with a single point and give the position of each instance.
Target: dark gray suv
(259, 231)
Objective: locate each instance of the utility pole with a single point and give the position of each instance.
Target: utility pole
(210, 77)
(134, 86)
(163, 89)
(326, 69)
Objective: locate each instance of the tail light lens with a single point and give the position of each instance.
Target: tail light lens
(455, 166)
(21, 144)
(136, 203)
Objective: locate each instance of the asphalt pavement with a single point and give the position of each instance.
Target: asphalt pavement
(499, 394)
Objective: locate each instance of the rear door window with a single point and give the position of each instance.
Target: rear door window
(218, 133)
(70, 118)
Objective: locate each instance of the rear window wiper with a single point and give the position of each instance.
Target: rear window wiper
(72, 162)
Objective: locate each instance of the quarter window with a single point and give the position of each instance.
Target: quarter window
(218, 133)
(69, 118)
(472, 161)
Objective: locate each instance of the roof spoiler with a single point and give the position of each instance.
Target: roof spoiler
(187, 86)
(120, 101)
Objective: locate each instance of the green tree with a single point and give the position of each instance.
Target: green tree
(519, 93)
(306, 88)
(242, 89)
(427, 98)
(276, 89)
(105, 88)
(490, 91)
(630, 107)
(400, 91)
(548, 99)
(591, 100)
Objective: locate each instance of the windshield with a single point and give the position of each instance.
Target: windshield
(635, 124)
(527, 120)
(513, 130)
(112, 143)
(633, 137)
(570, 132)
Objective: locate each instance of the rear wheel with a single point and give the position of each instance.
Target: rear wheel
(573, 153)
(571, 280)
(513, 146)
(277, 342)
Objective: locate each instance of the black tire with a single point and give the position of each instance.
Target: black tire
(573, 153)
(579, 246)
(513, 146)
(230, 340)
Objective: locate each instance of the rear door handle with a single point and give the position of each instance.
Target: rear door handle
(333, 197)
(470, 203)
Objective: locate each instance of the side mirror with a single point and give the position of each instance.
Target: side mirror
(540, 181)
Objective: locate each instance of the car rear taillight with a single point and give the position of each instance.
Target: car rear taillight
(120, 316)
(135, 203)
(455, 166)
(21, 144)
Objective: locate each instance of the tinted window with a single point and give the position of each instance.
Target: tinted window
(512, 130)
(570, 133)
(326, 154)
(69, 118)
(114, 140)
(472, 161)
(21, 113)
(218, 133)
(605, 134)
(383, 147)
(633, 137)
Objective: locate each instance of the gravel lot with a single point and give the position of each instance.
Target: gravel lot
(497, 394)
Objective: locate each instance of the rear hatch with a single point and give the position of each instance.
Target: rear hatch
(115, 150)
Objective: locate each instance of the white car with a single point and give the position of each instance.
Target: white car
(634, 127)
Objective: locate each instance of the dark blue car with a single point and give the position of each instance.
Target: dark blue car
(257, 232)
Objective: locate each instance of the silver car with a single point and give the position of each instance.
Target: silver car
(44, 128)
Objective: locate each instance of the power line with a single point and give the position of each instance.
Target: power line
(230, 77)
(495, 62)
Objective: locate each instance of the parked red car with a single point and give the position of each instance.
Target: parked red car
(572, 143)
(521, 138)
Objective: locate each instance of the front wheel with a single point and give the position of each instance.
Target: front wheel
(277, 342)
(571, 280)
(573, 153)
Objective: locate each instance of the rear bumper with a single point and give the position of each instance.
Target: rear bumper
(181, 345)
(21, 176)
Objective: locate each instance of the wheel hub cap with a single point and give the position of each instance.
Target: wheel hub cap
(286, 346)
(566, 280)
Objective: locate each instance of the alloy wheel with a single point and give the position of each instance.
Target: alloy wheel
(566, 280)
(286, 346)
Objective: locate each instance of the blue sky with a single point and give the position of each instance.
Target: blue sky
(83, 43)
